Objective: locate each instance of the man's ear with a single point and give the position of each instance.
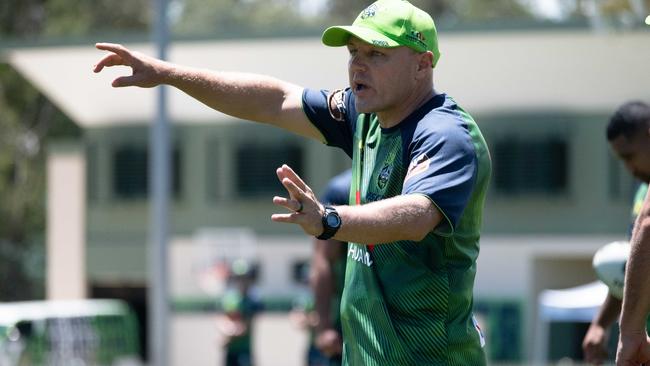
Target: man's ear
(426, 61)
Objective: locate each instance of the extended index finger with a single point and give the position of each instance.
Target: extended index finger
(113, 47)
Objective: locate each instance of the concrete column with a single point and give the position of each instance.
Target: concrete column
(66, 223)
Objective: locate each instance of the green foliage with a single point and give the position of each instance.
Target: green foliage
(96, 16)
(27, 121)
(233, 17)
(443, 11)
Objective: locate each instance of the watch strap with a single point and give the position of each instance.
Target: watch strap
(328, 231)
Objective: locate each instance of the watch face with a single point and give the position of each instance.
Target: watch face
(333, 220)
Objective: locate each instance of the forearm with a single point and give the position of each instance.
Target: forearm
(251, 97)
(608, 313)
(322, 287)
(636, 299)
(407, 217)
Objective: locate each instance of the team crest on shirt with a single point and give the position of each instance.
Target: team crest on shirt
(418, 165)
(336, 105)
(384, 176)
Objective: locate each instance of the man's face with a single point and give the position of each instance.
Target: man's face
(635, 153)
(380, 78)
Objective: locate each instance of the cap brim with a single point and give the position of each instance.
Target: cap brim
(338, 36)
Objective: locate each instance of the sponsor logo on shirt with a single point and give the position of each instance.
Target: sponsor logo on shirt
(417, 166)
(359, 254)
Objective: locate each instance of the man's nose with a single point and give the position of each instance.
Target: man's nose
(357, 64)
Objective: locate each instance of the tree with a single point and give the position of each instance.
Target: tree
(443, 11)
(28, 120)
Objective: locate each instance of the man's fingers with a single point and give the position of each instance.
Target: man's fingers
(289, 204)
(290, 218)
(294, 191)
(115, 48)
(123, 81)
(108, 61)
(289, 173)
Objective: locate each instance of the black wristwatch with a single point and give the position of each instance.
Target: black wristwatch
(331, 223)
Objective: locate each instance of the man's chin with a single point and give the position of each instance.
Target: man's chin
(362, 107)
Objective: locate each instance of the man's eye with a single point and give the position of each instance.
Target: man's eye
(377, 53)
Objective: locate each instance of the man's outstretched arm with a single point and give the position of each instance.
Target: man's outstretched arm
(252, 97)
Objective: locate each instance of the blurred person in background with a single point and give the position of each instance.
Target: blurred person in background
(628, 134)
(625, 134)
(420, 175)
(239, 306)
(633, 146)
(327, 279)
(318, 311)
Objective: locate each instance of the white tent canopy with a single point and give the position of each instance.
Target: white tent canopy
(576, 304)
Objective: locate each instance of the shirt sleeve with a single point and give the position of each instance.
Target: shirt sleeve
(333, 114)
(443, 166)
(337, 191)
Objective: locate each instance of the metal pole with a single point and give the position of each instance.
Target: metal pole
(159, 158)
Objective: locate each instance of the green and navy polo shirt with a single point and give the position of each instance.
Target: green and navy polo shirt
(410, 303)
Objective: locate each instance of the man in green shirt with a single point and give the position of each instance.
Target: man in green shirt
(420, 173)
(630, 141)
(626, 126)
(594, 344)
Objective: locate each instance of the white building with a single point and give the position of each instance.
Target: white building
(541, 98)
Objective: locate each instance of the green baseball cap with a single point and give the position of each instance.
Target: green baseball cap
(389, 23)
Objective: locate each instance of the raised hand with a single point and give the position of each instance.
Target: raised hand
(147, 72)
(594, 345)
(329, 342)
(307, 211)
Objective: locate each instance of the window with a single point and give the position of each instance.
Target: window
(256, 165)
(300, 271)
(530, 166)
(131, 172)
(621, 184)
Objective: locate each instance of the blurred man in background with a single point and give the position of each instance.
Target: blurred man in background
(628, 133)
(327, 279)
(239, 306)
